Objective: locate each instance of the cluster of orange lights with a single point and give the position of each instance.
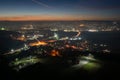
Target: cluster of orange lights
(21, 38)
(54, 53)
(68, 46)
(74, 47)
(38, 43)
(51, 41)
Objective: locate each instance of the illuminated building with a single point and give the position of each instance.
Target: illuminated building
(54, 53)
(38, 43)
(27, 27)
(56, 36)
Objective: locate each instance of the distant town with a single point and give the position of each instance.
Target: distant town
(84, 45)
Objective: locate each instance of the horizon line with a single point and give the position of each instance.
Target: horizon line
(57, 20)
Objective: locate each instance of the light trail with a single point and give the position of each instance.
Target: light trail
(78, 34)
(42, 4)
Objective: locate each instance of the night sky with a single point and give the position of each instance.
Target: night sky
(59, 9)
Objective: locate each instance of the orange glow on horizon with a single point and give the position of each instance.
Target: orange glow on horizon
(39, 17)
(50, 18)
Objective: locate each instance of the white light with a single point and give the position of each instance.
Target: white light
(12, 50)
(80, 38)
(92, 30)
(81, 63)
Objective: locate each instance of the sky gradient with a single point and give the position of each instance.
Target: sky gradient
(59, 10)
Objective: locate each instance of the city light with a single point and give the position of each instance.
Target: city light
(92, 30)
(72, 39)
(54, 53)
(38, 43)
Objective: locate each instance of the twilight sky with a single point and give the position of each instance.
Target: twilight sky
(59, 10)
